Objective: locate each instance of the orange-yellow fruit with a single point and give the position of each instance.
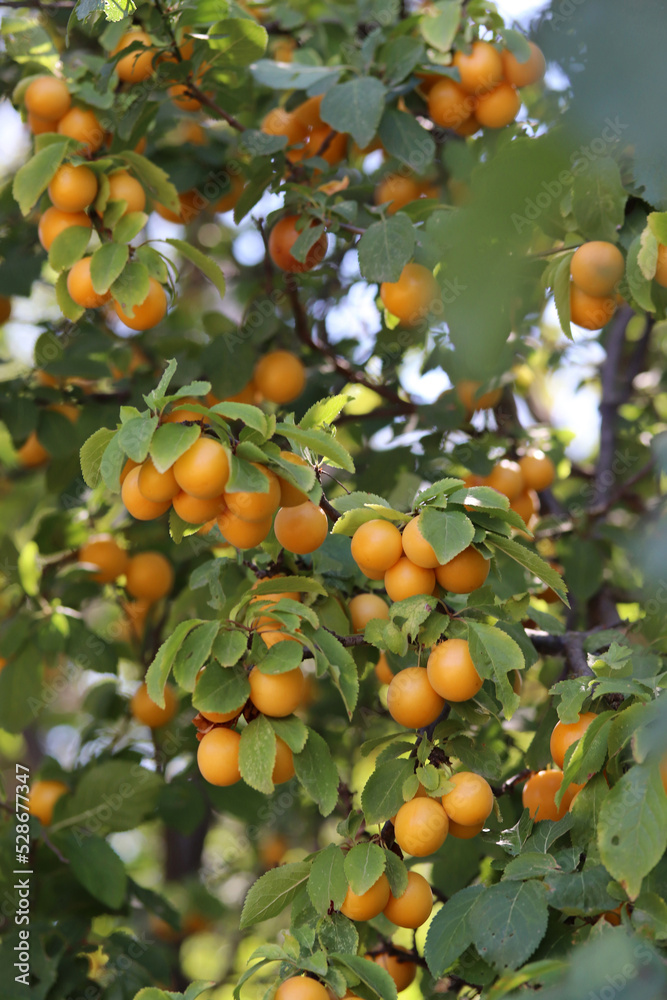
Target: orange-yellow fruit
(149, 576)
(383, 671)
(499, 107)
(280, 376)
(301, 988)
(106, 554)
(522, 74)
(48, 97)
(195, 511)
(230, 199)
(464, 832)
(565, 734)
(377, 545)
(38, 126)
(526, 505)
(136, 503)
(283, 769)
(661, 269)
(80, 286)
(308, 113)
(255, 506)
(417, 549)
(413, 296)
(282, 238)
(73, 188)
(413, 908)
(291, 496)
(145, 710)
(402, 971)
(451, 671)
(276, 695)
(369, 903)
(597, 267)
(464, 573)
(364, 608)
(537, 470)
(472, 400)
(421, 826)
(148, 313)
(82, 125)
(449, 105)
(398, 190)
(404, 580)
(180, 412)
(411, 700)
(539, 794)
(157, 486)
(180, 95)
(127, 468)
(203, 470)
(507, 478)
(242, 534)
(44, 795)
(53, 222)
(281, 122)
(481, 70)
(336, 148)
(301, 529)
(470, 802)
(590, 311)
(32, 452)
(138, 64)
(371, 574)
(124, 187)
(218, 757)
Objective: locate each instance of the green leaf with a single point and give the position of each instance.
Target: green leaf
(573, 693)
(403, 137)
(221, 689)
(372, 975)
(530, 864)
(336, 933)
(327, 883)
(229, 646)
(364, 864)
(281, 657)
(66, 303)
(324, 411)
(257, 754)
(33, 178)
(273, 892)
(292, 730)
(450, 932)
(194, 653)
(112, 463)
(517, 44)
(495, 654)
(355, 107)
(282, 585)
(206, 265)
(509, 920)
(342, 667)
(382, 796)
(580, 894)
(598, 199)
(439, 28)
(153, 178)
(588, 755)
(135, 436)
(107, 265)
(237, 41)
(252, 416)
(159, 670)
(68, 247)
(21, 692)
(29, 569)
(95, 864)
(400, 56)
(91, 455)
(386, 247)
(317, 772)
(396, 873)
(632, 826)
(131, 287)
(113, 795)
(657, 222)
(319, 442)
(169, 442)
(647, 258)
(448, 532)
(129, 226)
(561, 290)
(640, 286)
(532, 562)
